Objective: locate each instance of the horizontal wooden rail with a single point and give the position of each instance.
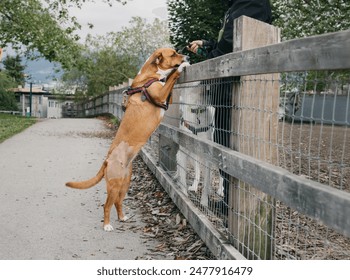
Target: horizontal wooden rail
(324, 52)
(321, 202)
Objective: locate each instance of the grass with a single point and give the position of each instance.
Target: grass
(11, 125)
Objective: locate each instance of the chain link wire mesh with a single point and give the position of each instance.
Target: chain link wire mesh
(307, 135)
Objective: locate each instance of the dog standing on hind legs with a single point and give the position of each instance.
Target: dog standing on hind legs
(149, 96)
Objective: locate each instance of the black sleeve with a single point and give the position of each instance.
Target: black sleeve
(258, 9)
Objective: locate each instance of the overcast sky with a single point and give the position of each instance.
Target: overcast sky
(106, 18)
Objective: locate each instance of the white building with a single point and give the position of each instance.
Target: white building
(43, 105)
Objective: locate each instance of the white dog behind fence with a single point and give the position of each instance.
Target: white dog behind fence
(198, 118)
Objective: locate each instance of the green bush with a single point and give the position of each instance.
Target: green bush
(8, 101)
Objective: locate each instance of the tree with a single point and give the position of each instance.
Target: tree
(140, 38)
(101, 66)
(7, 99)
(196, 19)
(14, 69)
(43, 26)
(113, 58)
(109, 68)
(301, 18)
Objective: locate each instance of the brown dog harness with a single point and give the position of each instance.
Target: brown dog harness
(146, 96)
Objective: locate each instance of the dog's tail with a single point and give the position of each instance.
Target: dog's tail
(88, 183)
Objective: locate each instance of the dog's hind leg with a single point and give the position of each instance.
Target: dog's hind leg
(119, 206)
(112, 195)
(118, 203)
(118, 176)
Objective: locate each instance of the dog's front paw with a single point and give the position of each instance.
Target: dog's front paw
(108, 227)
(182, 66)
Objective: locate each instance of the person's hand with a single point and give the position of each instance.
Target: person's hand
(195, 45)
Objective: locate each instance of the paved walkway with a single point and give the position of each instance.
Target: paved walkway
(40, 217)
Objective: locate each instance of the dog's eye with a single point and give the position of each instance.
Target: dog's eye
(173, 55)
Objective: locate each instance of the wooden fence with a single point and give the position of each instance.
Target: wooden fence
(286, 179)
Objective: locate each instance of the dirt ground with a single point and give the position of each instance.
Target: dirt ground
(317, 152)
(320, 153)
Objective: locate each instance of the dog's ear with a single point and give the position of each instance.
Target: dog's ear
(158, 57)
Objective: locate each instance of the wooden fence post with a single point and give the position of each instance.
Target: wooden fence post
(254, 126)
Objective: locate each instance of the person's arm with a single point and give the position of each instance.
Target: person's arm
(202, 47)
(258, 9)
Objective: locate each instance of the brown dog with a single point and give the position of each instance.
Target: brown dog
(144, 112)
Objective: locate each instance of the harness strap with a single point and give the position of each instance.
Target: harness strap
(143, 89)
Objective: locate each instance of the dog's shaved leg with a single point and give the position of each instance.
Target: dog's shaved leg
(118, 177)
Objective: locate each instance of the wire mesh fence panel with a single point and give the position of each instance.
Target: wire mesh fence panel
(314, 128)
(298, 136)
(207, 110)
(313, 142)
